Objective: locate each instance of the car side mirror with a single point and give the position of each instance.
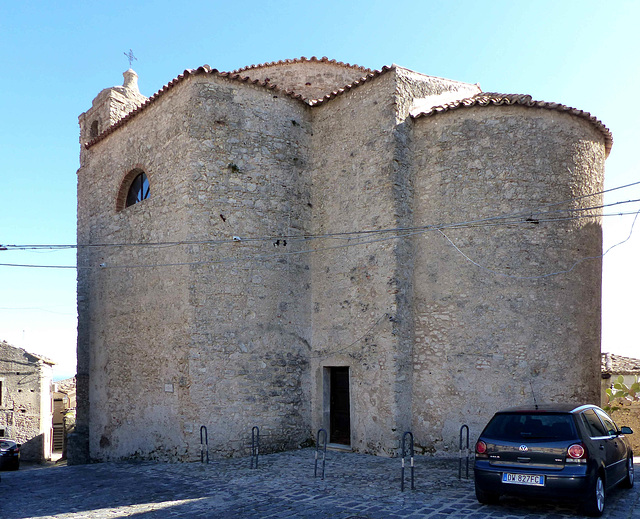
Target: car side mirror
(626, 430)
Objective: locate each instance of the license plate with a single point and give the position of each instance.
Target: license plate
(523, 479)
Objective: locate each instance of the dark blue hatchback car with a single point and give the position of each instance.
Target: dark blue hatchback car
(9, 455)
(557, 451)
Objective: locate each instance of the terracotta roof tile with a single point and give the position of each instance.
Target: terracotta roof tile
(368, 77)
(497, 99)
(481, 99)
(237, 76)
(205, 69)
(302, 59)
(619, 365)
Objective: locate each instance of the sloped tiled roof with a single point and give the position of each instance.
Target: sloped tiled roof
(481, 99)
(205, 69)
(619, 365)
(68, 385)
(302, 59)
(497, 99)
(36, 356)
(236, 76)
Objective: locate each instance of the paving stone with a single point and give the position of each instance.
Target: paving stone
(356, 487)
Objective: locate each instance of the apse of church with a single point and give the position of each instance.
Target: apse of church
(309, 244)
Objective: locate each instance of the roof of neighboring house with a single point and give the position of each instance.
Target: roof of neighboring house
(68, 385)
(497, 99)
(619, 365)
(35, 356)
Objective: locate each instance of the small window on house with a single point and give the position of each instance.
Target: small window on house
(138, 190)
(93, 132)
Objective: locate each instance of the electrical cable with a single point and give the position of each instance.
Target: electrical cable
(345, 348)
(352, 242)
(498, 220)
(399, 233)
(566, 271)
(518, 214)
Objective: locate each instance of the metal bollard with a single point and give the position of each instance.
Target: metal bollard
(462, 429)
(204, 444)
(324, 452)
(404, 454)
(255, 445)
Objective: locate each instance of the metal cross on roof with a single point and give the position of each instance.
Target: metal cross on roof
(130, 56)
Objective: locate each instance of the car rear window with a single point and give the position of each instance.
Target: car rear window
(519, 426)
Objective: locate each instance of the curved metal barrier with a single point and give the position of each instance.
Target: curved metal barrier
(204, 444)
(404, 455)
(468, 452)
(324, 452)
(255, 445)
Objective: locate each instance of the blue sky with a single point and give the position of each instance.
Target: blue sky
(57, 56)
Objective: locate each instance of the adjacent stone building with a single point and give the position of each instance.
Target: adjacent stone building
(309, 244)
(25, 401)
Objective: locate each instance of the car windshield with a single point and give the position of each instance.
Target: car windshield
(519, 426)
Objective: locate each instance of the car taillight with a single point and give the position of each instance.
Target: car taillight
(481, 447)
(577, 451)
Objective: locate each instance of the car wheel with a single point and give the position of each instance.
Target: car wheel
(594, 505)
(628, 481)
(487, 498)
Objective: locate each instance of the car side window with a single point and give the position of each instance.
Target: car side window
(612, 428)
(593, 424)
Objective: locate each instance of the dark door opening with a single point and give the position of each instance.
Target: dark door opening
(339, 408)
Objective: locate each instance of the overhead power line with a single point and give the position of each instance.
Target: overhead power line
(353, 242)
(550, 274)
(508, 219)
(537, 212)
(355, 238)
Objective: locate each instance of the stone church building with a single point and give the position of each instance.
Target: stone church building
(309, 244)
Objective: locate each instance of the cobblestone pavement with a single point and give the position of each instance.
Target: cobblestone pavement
(355, 487)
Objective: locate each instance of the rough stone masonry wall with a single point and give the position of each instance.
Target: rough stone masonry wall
(410, 87)
(355, 286)
(109, 106)
(231, 323)
(248, 356)
(310, 79)
(25, 402)
(134, 314)
(483, 340)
